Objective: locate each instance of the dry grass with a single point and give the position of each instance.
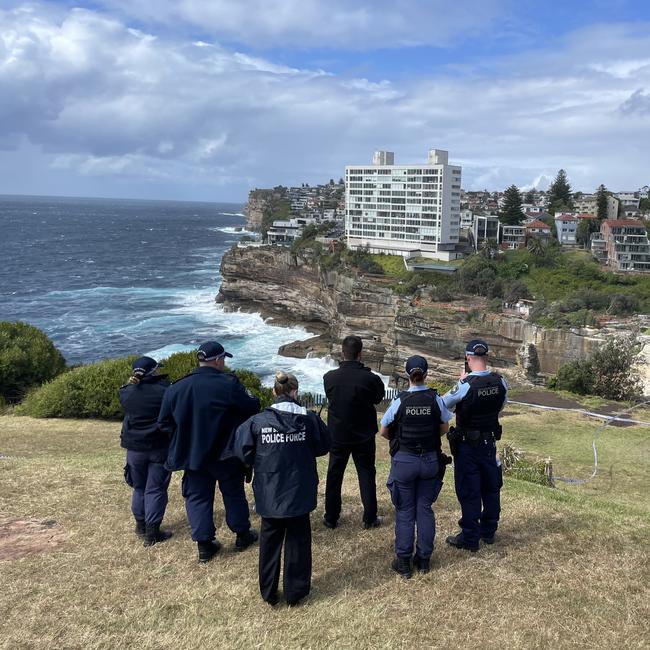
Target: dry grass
(570, 569)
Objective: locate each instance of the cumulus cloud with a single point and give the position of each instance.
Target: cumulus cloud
(87, 96)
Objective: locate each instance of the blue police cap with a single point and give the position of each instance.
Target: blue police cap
(211, 350)
(477, 348)
(416, 362)
(145, 366)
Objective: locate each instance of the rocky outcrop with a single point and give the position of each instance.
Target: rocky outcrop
(292, 289)
(254, 212)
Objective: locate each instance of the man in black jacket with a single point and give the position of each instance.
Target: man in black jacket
(201, 411)
(352, 391)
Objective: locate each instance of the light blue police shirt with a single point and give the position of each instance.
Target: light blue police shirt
(460, 390)
(389, 416)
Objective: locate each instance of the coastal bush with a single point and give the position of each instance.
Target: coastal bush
(91, 391)
(608, 372)
(27, 358)
(85, 392)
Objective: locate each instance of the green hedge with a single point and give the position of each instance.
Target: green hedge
(27, 358)
(92, 391)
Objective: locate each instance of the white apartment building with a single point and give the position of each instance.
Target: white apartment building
(566, 227)
(285, 232)
(408, 210)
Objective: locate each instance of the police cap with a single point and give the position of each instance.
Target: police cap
(211, 350)
(477, 348)
(416, 362)
(145, 366)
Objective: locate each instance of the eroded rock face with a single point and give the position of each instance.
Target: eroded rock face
(291, 289)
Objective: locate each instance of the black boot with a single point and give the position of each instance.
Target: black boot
(244, 540)
(421, 564)
(140, 528)
(457, 541)
(153, 535)
(207, 550)
(402, 565)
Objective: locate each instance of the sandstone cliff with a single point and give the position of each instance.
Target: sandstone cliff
(290, 288)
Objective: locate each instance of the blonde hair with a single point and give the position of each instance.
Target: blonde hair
(285, 383)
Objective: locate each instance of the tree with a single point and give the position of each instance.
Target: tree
(511, 213)
(530, 196)
(559, 194)
(613, 366)
(583, 233)
(602, 196)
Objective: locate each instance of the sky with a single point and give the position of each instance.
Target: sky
(207, 99)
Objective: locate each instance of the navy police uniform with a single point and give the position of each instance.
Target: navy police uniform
(478, 399)
(146, 445)
(415, 478)
(281, 444)
(201, 411)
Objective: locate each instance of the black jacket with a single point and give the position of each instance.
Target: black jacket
(281, 444)
(141, 403)
(352, 391)
(201, 411)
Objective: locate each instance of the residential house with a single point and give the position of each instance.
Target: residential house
(626, 243)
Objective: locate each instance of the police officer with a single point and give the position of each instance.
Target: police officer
(478, 398)
(146, 449)
(413, 423)
(281, 444)
(201, 411)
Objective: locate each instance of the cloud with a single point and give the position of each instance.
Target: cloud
(94, 100)
(637, 103)
(316, 23)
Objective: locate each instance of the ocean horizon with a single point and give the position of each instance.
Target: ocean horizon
(105, 278)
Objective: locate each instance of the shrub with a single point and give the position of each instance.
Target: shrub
(92, 391)
(608, 372)
(27, 358)
(575, 377)
(85, 392)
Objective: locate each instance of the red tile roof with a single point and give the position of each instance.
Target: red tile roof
(538, 224)
(620, 223)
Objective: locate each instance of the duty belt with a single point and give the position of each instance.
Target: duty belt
(473, 436)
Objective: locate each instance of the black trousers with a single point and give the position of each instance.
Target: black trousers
(295, 534)
(363, 455)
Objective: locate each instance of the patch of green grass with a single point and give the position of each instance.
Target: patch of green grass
(393, 265)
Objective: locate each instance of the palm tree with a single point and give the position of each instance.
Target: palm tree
(537, 246)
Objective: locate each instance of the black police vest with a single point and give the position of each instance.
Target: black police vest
(479, 409)
(418, 421)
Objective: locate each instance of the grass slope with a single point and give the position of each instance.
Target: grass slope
(570, 569)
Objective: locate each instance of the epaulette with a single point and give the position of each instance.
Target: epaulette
(124, 386)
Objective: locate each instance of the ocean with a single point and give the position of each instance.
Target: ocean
(107, 278)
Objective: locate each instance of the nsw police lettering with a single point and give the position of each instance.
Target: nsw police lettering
(271, 436)
(418, 410)
(486, 392)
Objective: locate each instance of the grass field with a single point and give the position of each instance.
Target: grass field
(569, 570)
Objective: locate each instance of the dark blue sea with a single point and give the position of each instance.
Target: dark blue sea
(107, 278)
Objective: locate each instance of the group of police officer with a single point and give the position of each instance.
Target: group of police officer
(209, 426)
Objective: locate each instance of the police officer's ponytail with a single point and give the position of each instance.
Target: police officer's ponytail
(285, 383)
(417, 376)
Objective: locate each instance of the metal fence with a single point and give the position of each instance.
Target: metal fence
(317, 401)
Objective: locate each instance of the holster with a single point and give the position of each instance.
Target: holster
(454, 438)
(443, 461)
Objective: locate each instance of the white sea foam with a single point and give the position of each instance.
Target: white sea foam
(230, 230)
(232, 214)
